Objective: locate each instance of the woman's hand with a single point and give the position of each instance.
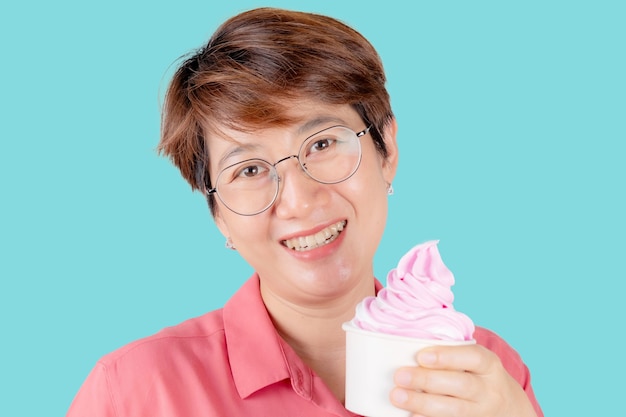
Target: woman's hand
(453, 381)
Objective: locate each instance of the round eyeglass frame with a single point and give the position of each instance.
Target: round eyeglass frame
(358, 135)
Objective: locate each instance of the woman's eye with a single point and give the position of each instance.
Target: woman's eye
(321, 144)
(250, 171)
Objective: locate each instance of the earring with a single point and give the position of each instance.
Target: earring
(229, 244)
(390, 189)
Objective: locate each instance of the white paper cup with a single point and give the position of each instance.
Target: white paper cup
(371, 361)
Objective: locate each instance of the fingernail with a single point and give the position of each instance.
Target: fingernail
(403, 378)
(399, 396)
(426, 358)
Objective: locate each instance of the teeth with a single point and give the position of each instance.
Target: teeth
(320, 238)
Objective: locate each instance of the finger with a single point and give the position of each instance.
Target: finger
(458, 384)
(470, 358)
(427, 404)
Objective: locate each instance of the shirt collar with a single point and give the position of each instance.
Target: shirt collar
(258, 356)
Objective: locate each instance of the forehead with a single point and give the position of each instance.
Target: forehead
(306, 118)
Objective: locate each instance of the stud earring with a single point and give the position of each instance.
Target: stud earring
(389, 189)
(229, 244)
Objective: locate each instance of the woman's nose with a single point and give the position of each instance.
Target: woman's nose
(298, 193)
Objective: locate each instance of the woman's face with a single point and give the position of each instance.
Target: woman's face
(305, 207)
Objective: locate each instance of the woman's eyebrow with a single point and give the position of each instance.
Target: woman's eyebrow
(237, 150)
(317, 122)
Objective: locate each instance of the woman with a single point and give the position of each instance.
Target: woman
(284, 122)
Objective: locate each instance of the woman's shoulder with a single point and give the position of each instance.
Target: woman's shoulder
(128, 378)
(171, 342)
(203, 336)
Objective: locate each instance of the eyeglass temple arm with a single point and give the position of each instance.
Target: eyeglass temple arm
(363, 132)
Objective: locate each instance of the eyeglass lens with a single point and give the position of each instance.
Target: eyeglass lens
(251, 186)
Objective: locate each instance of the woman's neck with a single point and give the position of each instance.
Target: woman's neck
(314, 332)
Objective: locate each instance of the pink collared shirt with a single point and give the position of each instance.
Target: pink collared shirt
(229, 362)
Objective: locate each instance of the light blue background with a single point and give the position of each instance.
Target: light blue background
(512, 125)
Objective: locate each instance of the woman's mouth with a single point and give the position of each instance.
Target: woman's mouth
(321, 238)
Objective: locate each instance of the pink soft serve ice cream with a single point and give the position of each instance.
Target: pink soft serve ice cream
(417, 301)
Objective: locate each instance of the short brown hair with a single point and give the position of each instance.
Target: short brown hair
(252, 65)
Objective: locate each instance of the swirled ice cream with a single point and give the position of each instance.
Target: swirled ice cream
(414, 311)
(417, 301)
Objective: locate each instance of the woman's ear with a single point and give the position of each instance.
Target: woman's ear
(390, 163)
(220, 223)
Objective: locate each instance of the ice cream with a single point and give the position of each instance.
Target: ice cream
(414, 311)
(417, 301)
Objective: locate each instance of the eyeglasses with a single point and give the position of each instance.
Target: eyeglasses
(329, 156)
